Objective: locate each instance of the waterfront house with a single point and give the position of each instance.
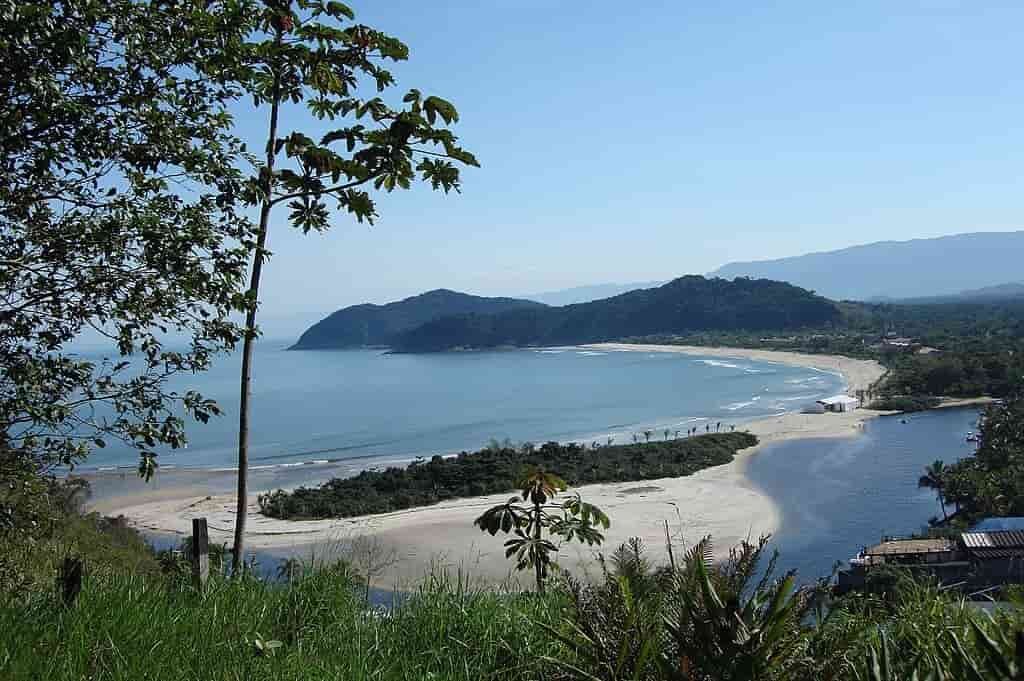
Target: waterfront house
(989, 554)
(839, 403)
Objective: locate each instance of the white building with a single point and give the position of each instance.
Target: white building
(839, 403)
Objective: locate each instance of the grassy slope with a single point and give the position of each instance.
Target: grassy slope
(130, 628)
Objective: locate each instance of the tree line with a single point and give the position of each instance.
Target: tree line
(991, 482)
(499, 469)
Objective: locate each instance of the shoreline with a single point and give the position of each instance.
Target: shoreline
(719, 501)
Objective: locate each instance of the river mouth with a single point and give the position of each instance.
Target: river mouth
(838, 495)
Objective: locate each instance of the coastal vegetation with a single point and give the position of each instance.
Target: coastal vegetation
(930, 351)
(497, 469)
(991, 482)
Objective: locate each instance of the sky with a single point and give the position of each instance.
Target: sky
(642, 141)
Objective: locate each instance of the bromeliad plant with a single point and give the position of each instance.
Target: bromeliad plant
(572, 519)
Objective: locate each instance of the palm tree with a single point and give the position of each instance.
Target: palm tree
(933, 479)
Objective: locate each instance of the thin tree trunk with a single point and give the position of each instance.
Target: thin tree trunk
(538, 566)
(245, 388)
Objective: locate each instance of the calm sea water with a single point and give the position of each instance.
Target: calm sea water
(365, 408)
(838, 495)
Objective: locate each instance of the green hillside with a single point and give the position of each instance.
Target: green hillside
(369, 325)
(685, 305)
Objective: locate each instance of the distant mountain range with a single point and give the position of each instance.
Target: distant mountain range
(379, 325)
(585, 294)
(766, 295)
(1000, 292)
(687, 304)
(920, 268)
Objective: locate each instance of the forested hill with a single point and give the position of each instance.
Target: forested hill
(367, 324)
(684, 305)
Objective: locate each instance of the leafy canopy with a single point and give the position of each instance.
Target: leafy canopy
(119, 216)
(314, 53)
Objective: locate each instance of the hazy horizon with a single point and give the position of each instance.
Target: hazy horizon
(641, 143)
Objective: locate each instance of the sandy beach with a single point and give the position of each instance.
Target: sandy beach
(718, 501)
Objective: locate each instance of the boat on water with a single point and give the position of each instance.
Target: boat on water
(971, 437)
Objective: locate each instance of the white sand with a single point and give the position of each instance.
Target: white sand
(718, 501)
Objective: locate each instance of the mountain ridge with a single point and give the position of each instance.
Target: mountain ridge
(915, 268)
(689, 303)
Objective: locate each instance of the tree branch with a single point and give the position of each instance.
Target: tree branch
(325, 190)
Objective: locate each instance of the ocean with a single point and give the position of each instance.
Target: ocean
(361, 409)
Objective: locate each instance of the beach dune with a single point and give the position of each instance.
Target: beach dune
(718, 501)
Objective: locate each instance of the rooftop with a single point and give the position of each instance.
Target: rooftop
(838, 399)
(994, 543)
(909, 546)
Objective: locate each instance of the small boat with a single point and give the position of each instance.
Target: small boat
(971, 437)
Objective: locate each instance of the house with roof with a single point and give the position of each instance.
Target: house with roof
(990, 554)
(839, 403)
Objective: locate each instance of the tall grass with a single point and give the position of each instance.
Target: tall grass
(137, 627)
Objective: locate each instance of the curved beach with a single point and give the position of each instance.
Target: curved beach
(719, 501)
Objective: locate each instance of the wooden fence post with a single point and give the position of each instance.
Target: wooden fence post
(70, 580)
(200, 553)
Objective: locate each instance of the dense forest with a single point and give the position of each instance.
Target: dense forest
(990, 483)
(960, 349)
(687, 304)
(499, 469)
(377, 325)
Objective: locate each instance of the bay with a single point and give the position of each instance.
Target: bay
(367, 408)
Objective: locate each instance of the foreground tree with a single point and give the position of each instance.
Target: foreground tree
(118, 196)
(312, 52)
(572, 519)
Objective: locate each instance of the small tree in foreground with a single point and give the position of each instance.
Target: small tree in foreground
(313, 53)
(568, 520)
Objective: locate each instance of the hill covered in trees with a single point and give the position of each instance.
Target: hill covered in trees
(368, 324)
(685, 305)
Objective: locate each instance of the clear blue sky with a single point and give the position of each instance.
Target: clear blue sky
(639, 141)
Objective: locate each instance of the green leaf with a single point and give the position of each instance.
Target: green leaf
(339, 10)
